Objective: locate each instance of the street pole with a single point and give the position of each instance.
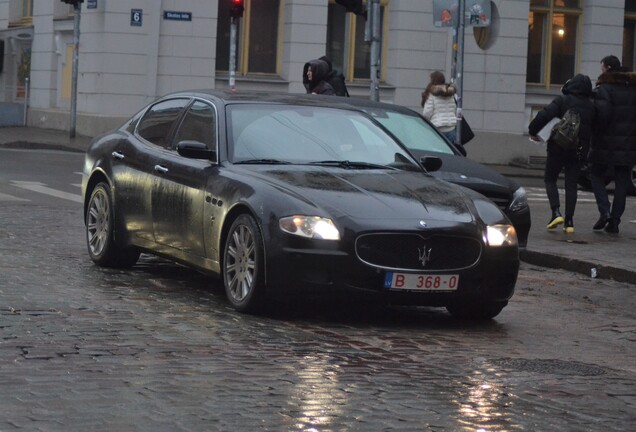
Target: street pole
(374, 15)
(76, 35)
(233, 32)
(459, 80)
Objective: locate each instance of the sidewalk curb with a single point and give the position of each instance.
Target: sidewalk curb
(39, 146)
(544, 259)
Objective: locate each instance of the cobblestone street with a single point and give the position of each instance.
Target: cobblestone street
(158, 348)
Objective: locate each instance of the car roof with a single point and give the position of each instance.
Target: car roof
(230, 97)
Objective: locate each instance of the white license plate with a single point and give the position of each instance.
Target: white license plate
(419, 282)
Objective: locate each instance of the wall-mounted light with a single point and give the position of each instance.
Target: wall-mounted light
(561, 32)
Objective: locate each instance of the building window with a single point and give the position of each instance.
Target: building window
(346, 47)
(258, 49)
(27, 8)
(553, 36)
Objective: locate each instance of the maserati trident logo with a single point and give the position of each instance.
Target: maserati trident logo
(424, 254)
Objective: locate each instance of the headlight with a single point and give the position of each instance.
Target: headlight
(519, 200)
(501, 235)
(310, 227)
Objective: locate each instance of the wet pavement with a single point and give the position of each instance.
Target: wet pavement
(157, 347)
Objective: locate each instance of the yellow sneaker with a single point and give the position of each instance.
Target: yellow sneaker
(555, 222)
(569, 225)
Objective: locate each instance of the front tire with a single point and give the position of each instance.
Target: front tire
(243, 265)
(102, 248)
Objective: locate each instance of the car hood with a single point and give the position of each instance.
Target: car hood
(370, 194)
(466, 172)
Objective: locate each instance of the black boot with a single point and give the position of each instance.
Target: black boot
(601, 222)
(612, 226)
(556, 219)
(568, 226)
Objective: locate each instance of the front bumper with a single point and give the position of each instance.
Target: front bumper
(322, 268)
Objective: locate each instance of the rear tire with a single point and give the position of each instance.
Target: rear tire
(243, 265)
(100, 223)
(476, 311)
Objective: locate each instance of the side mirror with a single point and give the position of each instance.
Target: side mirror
(195, 150)
(431, 163)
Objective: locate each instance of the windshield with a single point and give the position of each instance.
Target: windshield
(261, 133)
(411, 130)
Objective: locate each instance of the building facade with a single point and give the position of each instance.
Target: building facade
(132, 52)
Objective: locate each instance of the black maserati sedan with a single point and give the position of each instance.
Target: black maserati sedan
(285, 195)
(422, 139)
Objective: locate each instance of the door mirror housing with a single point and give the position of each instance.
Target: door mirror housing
(195, 150)
(431, 163)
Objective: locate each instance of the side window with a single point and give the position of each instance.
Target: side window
(159, 120)
(199, 124)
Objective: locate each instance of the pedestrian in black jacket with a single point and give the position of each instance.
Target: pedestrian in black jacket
(576, 96)
(614, 141)
(316, 72)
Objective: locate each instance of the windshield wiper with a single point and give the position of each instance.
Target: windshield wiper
(351, 164)
(263, 161)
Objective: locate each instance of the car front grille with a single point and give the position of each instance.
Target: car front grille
(415, 252)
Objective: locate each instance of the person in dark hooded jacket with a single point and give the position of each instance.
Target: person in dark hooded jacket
(316, 72)
(576, 95)
(614, 142)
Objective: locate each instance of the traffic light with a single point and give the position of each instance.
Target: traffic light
(237, 8)
(354, 6)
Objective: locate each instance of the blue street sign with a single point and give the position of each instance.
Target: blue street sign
(91, 4)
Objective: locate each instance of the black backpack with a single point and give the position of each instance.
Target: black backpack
(566, 132)
(337, 81)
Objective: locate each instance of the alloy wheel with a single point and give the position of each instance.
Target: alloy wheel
(98, 222)
(240, 267)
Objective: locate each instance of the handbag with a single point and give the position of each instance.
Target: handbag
(466, 131)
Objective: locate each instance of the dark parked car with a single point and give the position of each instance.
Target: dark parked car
(585, 183)
(422, 139)
(285, 195)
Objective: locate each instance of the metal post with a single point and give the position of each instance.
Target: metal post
(376, 39)
(459, 81)
(76, 36)
(232, 65)
(26, 98)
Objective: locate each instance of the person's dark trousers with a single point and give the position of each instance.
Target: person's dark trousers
(597, 179)
(557, 160)
(622, 179)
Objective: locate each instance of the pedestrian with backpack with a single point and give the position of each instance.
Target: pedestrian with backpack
(614, 142)
(315, 78)
(335, 79)
(567, 145)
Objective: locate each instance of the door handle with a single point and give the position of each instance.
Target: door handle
(118, 155)
(162, 169)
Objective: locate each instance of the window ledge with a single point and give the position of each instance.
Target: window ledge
(224, 76)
